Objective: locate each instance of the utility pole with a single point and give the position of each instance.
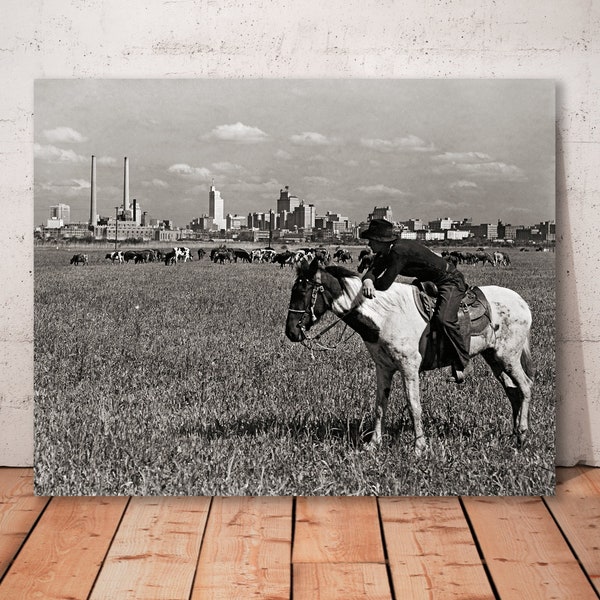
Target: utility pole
(270, 228)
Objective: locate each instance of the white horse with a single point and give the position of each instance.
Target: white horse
(391, 327)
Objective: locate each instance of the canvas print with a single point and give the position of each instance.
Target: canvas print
(294, 287)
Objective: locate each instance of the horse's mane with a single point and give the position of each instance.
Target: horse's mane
(338, 271)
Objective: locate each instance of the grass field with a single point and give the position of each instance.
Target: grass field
(180, 380)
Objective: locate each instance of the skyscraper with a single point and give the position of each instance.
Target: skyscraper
(215, 208)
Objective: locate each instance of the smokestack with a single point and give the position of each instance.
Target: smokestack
(125, 185)
(93, 209)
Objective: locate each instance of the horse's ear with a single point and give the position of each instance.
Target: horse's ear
(314, 267)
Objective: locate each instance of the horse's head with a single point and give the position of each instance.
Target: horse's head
(308, 301)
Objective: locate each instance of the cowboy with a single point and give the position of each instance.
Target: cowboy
(394, 257)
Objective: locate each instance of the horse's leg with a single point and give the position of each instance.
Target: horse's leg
(384, 387)
(517, 385)
(412, 390)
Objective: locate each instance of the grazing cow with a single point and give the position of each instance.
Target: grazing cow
(262, 255)
(79, 259)
(158, 254)
(484, 258)
(170, 258)
(501, 259)
(342, 255)
(129, 255)
(115, 256)
(182, 253)
(201, 253)
(284, 258)
(242, 254)
(222, 255)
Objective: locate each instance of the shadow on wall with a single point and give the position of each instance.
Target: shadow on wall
(573, 425)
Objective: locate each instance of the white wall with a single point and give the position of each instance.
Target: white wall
(312, 38)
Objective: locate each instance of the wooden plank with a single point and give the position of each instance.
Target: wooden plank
(19, 510)
(525, 551)
(246, 550)
(576, 508)
(341, 581)
(65, 550)
(337, 529)
(155, 551)
(430, 550)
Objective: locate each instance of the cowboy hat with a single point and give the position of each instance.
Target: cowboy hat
(379, 230)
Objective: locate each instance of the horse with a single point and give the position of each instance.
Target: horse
(391, 327)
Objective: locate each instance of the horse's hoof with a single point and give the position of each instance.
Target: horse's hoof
(420, 447)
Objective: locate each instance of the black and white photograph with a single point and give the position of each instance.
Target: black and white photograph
(294, 287)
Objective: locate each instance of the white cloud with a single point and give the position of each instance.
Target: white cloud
(63, 135)
(193, 172)
(55, 154)
(409, 143)
(462, 184)
(159, 183)
(237, 132)
(462, 157)
(477, 164)
(106, 161)
(283, 155)
(311, 138)
(227, 167)
(381, 190)
(317, 180)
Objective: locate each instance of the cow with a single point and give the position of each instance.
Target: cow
(484, 258)
(222, 254)
(201, 253)
(129, 255)
(501, 259)
(115, 256)
(242, 254)
(182, 253)
(263, 255)
(342, 255)
(170, 258)
(284, 258)
(79, 259)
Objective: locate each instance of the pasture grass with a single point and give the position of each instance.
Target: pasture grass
(154, 380)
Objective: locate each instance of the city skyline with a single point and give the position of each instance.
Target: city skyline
(482, 149)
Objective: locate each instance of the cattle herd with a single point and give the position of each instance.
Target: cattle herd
(222, 254)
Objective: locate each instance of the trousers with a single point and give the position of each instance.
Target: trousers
(451, 291)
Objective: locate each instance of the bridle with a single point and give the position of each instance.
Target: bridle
(309, 312)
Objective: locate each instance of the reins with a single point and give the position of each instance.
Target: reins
(308, 341)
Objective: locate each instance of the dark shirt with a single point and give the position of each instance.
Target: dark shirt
(411, 259)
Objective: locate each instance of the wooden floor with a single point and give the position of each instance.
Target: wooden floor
(301, 548)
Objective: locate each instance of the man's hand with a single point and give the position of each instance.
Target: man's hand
(368, 288)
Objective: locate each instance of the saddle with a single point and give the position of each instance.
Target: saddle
(474, 318)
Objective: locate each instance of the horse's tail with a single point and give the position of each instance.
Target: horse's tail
(527, 361)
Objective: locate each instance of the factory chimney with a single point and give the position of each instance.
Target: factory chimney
(125, 186)
(93, 208)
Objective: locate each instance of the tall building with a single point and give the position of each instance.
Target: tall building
(215, 208)
(287, 202)
(61, 212)
(383, 212)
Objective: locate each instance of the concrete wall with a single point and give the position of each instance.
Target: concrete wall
(339, 38)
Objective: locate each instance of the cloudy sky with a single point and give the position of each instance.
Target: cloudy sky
(483, 149)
